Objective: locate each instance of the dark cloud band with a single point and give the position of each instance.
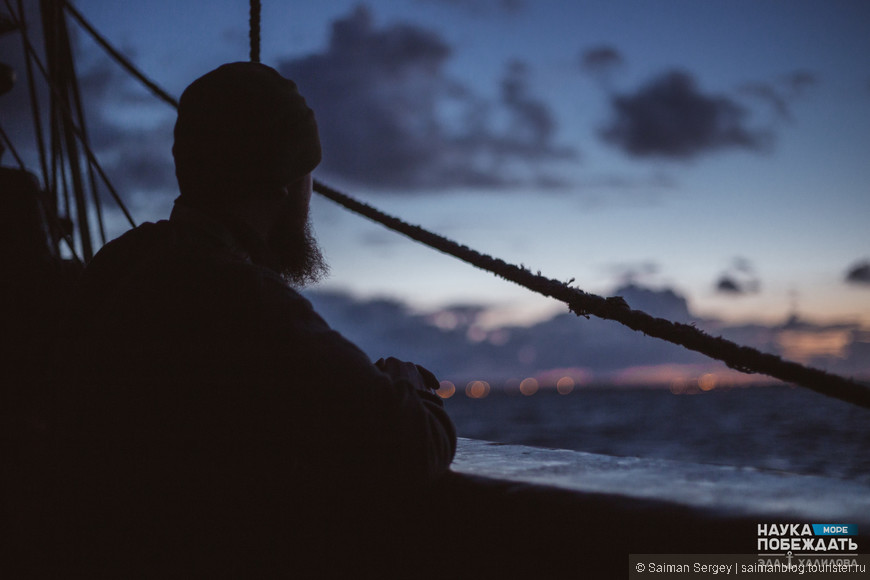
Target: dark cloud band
(670, 117)
(391, 118)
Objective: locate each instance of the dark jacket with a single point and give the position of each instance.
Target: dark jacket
(208, 405)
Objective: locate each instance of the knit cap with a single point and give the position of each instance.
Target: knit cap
(243, 127)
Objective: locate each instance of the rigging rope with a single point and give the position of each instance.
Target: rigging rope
(61, 73)
(43, 200)
(254, 33)
(79, 111)
(122, 60)
(11, 147)
(34, 104)
(741, 358)
(56, 228)
(76, 130)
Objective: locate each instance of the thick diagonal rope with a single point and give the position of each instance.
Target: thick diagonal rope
(742, 358)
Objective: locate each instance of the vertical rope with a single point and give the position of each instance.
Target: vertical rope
(54, 222)
(34, 99)
(59, 109)
(255, 30)
(60, 72)
(80, 120)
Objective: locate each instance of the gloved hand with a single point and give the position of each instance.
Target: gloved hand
(420, 377)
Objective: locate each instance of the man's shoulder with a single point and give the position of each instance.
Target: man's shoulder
(154, 248)
(132, 241)
(152, 278)
(125, 252)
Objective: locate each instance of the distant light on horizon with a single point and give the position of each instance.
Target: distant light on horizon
(707, 382)
(565, 385)
(529, 386)
(446, 389)
(477, 389)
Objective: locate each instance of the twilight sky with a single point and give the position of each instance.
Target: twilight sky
(716, 148)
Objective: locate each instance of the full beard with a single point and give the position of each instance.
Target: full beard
(295, 254)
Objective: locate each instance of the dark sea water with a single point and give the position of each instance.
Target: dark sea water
(776, 427)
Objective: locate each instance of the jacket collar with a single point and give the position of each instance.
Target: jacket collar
(208, 228)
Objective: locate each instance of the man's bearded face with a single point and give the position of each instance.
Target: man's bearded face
(295, 252)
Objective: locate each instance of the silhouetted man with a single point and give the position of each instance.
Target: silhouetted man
(214, 422)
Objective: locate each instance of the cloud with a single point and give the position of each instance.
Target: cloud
(664, 302)
(782, 93)
(738, 279)
(145, 162)
(531, 126)
(770, 94)
(670, 117)
(391, 118)
(800, 80)
(610, 189)
(601, 58)
(454, 345)
(630, 273)
(17, 117)
(602, 63)
(727, 285)
(131, 135)
(859, 274)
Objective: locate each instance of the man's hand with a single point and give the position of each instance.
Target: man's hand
(421, 378)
